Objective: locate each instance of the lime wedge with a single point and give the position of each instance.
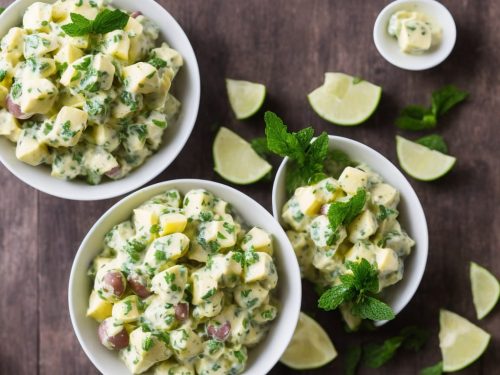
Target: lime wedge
(461, 342)
(421, 162)
(485, 289)
(345, 100)
(310, 346)
(235, 159)
(245, 97)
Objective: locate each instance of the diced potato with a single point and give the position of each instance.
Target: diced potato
(170, 283)
(36, 45)
(117, 44)
(174, 368)
(128, 309)
(144, 350)
(260, 267)
(328, 190)
(104, 136)
(156, 124)
(87, 8)
(103, 64)
(363, 226)
(66, 163)
(323, 235)
(145, 218)
(258, 240)
(9, 125)
(239, 320)
(172, 223)
(134, 27)
(169, 56)
(13, 43)
(387, 260)
(308, 200)
(210, 307)
(204, 286)
(185, 343)
(385, 195)
(196, 202)
(98, 309)
(165, 249)
(68, 54)
(361, 250)
(37, 17)
(328, 260)
(353, 179)
(293, 216)
(37, 95)
(222, 233)
(226, 269)
(4, 92)
(141, 78)
(415, 36)
(30, 150)
(98, 161)
(265, 313)
(302, 246)
(68, 127)
(250, 296)
(159, 314)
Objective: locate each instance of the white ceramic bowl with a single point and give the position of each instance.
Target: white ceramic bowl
(261, 358)
(186, 87)
(388, 45)
(411, 216)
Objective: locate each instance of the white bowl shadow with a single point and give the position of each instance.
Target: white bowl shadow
(412, 216)
(388, 47)
(261, 358)
(186, 87)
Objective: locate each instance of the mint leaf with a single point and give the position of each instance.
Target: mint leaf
(352, 359)
(415, 117)
(376, 355)
(342, 213)
(434, 142)
(373, 309)
(446, 98)
(436, 369)
(306, 157)
(105, 22)
(334, 297)
(109, 20)
(365, 275)
(336, 161)
(2, 9)
(356, 205)
(259, 145)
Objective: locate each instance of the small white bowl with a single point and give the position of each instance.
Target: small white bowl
(388, 45)
(411, 216)
(261, 358)
(186, 87)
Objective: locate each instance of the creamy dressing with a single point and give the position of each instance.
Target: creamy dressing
(415, 31)
(95, 105)
(375, 233)
(209, 285)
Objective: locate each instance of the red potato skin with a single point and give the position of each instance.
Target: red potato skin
(116, 342)
(15, 110)
(220, 333)
(136, 14)
(114, 172)
(115, 282)
(182, 311)
(139, 286)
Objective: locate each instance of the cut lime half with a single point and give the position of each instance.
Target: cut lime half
(246, 98)
(235, 159)
(310, 346)
(345, 100)
(421, 162)
(485, 289)
(461, 342)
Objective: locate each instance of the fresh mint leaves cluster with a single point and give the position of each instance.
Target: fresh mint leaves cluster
(343, 212)
(105, 22)
(416, 117)
(358, 288)
(306, 156)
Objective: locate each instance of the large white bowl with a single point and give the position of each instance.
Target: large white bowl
(261, 358)
(411, 216)
(186, 87)
(388, 46)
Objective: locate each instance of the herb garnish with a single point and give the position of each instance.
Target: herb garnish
(306, 157)
(416, 117)
(105, 22)
(436, 369)
(358, 288)
(434, 142)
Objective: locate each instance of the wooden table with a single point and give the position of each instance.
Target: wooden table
(288, 45)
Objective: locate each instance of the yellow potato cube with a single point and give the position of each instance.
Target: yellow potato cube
(36, 45)
(38, 95)
(260, 267)
(363, 226)
(385, 195)
(415, 36)
(127, 310)
(172, 223)
(308, 200)
(170, 283)
(104, 66)
(9, 125)
(104, 135)
(258, 240)
(98, 309)
(13, 42)
(30, 150)
(141, 78)
(68, 54)
(37, 17)
(165, 249)
(204, 286)
(174, 368)
(68, 127)
(185, 343)
(117, 44)
(353, 179)
(361, 250)
(4, 92)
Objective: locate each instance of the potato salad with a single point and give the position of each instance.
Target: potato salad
(88, 101)
(183, 287)
(374, 234)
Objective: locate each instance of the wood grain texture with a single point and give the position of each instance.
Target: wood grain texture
(288, 45)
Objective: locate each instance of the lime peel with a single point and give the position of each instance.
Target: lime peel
(485, 289)
(245, 98)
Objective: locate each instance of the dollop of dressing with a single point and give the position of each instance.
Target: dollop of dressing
(415, 31)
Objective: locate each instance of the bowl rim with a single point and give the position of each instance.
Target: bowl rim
(289, 308)
(423, 242)
(426, 61)
(77, 190)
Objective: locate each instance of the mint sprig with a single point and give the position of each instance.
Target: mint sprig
(416, 117)
(306, 156)
(436, 369)
(434, 142)
(359, 288)
(105, 22)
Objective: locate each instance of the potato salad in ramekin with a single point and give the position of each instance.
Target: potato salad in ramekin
(85, 88)
(183, 286)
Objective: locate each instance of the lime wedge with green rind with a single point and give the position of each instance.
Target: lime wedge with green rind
(245, 98)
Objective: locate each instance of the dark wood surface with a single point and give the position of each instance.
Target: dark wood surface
(288, 45)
